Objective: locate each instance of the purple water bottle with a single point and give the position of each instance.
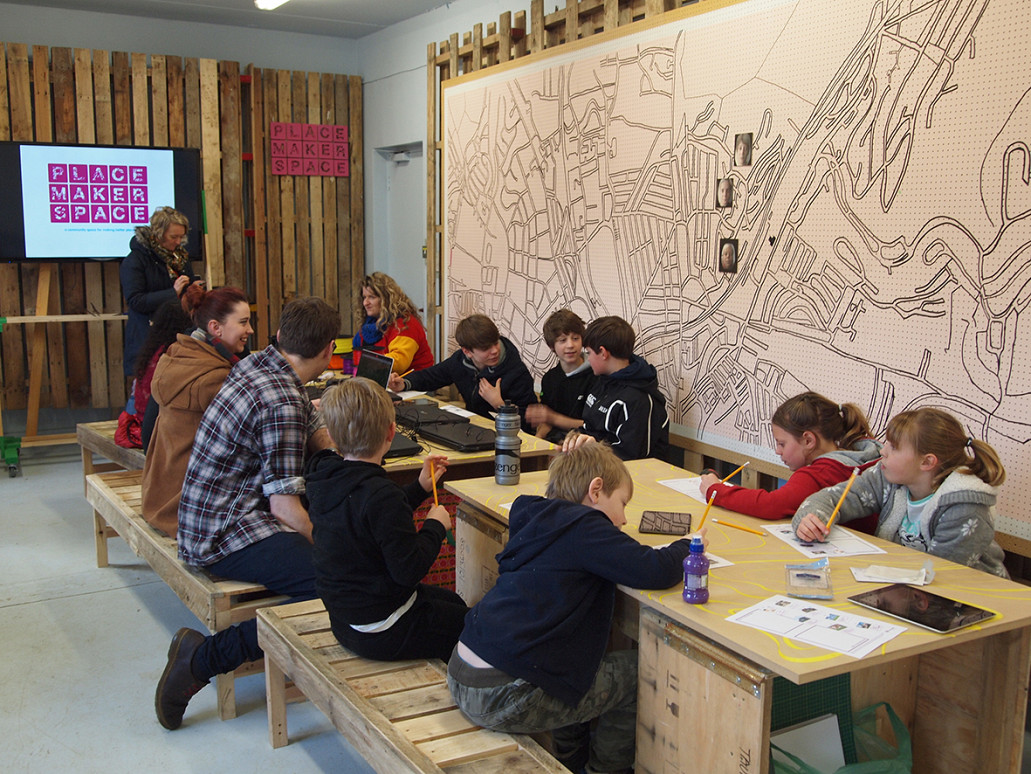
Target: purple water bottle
(696, 574)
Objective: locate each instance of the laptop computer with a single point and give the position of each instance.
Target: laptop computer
(377, 367)
(465, 437)
(402, 446)
(416, 415)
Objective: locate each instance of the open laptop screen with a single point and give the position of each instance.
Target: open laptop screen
(375, 366)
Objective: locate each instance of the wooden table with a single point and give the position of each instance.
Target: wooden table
(706, 683)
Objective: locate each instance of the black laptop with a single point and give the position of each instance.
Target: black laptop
(403, 446)
(420, 414)
(377, 367)
(465, 437)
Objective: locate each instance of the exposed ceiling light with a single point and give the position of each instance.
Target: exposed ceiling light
(268, 5)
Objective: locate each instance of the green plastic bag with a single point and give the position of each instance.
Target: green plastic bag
(877, 756)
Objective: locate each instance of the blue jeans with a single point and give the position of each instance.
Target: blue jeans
(282, 563)
(496, 701)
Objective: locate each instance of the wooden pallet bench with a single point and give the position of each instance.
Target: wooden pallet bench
(218, 603)
(399, 715)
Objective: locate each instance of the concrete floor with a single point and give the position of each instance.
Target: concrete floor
(83, 648)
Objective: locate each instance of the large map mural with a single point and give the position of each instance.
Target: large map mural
(779, 196)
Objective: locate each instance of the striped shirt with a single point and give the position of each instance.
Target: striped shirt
(250, 444)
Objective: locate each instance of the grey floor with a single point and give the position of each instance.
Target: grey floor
(82, 648)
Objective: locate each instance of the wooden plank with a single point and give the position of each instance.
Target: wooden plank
(477, 55)
(232, 173)
(102, 105)
(432, 318)
(331, 244)
(317, 260)
(345, 269)
(505, 37)
(473, 746)
(191, 91)
(259, 175)
(397, 681)
(140, 101)
(411, 704)
(211, 158)
(436, 726)
(611, 14)
(38, 351)
(273, 199)
(5, 116)
(18, 127)
(41, 94)
(538, 35)
(302, 216)
(286, 196)
(356, 122)
(159, 100)
(176, 109)
(571, 29)
(122, 98)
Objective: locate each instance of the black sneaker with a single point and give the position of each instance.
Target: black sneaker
(177, 684)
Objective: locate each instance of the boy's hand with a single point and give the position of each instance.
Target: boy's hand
(492, 393)
(575, 440)
(440, 464)
(812, 529)
(439, 513)
(537, 413)
(708, 479)
(395, 382)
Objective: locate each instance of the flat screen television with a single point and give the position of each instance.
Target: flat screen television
(83, 202)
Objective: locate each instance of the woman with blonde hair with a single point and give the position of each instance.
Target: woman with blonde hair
(392, 325)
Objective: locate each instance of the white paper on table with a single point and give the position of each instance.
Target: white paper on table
(805, 621)
(456, 410)
(879, 573)
(410, 394)
(839, 543)
(505, 506)
(688, 486)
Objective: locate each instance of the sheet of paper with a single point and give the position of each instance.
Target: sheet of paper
(840, 543)
(456, 410)
(876, 573)
(411, 394)
(688, 486)
(805, 621)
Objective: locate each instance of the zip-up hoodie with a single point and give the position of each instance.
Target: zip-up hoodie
(186, 380)
(957, 523)
(627, 410)
(547, 618)
(826, 470)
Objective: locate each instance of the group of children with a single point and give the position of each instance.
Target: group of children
(530, 656)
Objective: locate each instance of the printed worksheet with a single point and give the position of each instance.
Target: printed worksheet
(688, 486)
(840, 542)
(802, 620)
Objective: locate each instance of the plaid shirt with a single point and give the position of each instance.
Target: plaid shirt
(250, 444)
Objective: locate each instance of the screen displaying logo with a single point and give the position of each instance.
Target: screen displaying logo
(98, 193)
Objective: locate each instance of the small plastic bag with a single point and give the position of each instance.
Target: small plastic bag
(810, 580)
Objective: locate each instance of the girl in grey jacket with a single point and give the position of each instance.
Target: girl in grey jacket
(934, 488)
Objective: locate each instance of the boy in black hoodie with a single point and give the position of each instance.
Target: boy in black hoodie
(624, 406)
(368, 556)
(532, 657)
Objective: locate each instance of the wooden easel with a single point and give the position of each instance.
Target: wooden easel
(39, 321)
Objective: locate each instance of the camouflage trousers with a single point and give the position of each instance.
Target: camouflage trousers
(495, 700)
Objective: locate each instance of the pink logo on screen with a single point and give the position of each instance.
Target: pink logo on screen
(99, 194)
(308, 149)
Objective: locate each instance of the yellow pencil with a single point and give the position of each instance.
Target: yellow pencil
(433, 481)
(407, 372)
(830, 521)
(734, 473)
(741, 527)
(706, 511)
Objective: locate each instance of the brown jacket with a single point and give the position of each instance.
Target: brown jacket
(187, 378)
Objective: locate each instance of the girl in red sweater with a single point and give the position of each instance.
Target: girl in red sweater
(820, 441)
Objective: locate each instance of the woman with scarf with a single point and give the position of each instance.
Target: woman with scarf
(186, 380)
(156, 270)
(392, 325)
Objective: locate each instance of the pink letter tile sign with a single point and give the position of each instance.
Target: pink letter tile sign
(308, 149)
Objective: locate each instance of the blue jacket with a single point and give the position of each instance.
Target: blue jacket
(547, 618)
(627, 410)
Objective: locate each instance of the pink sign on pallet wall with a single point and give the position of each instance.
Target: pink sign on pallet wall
(308, 149)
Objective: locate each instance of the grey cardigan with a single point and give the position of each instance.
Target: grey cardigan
(958, 522)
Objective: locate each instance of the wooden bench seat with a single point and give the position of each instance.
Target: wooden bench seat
(218, 603)
(399, 715)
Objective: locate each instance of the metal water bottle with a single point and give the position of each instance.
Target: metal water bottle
(507, 445)
(696, 574)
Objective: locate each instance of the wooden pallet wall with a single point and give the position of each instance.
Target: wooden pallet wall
(507, 39)
(277, 237)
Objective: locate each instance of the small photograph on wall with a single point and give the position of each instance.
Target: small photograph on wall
(725, 193)
(743, 150)
(728, 256)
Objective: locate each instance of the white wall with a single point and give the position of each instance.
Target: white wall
(113, 32)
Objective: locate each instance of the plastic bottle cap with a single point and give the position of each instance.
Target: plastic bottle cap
(697, 547)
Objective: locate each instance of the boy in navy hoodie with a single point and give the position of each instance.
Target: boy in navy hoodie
(532, 655)
(624, 406)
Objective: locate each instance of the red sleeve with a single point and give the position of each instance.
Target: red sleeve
(778, 504)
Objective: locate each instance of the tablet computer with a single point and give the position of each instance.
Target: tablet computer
(923, 608)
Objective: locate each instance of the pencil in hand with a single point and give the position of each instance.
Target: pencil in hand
(433, 482)
(706, 512)
(834, 515)
(725, 480)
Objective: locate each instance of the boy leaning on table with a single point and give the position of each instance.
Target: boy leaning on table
(532, 655)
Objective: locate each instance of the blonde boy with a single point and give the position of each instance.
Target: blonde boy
(369, 558)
